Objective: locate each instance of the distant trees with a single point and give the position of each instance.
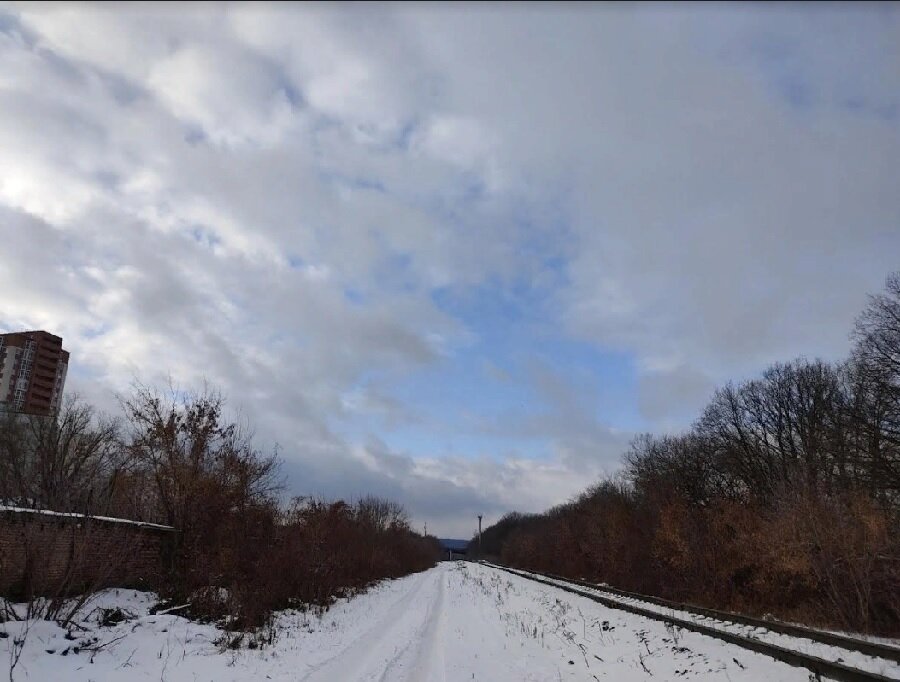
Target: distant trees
(494, 537)
(330, 548)
(783, 496)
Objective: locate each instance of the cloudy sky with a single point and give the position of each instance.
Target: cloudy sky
(453, 255)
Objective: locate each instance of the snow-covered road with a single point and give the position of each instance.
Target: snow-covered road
(401, 642)
(456, 622)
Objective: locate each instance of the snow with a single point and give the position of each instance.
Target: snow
(456, 622)
(110, 519)
(855, 659)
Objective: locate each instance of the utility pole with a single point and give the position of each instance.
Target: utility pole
(426, 529)
(479, 535)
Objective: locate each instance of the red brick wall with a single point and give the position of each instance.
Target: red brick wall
(45, 554)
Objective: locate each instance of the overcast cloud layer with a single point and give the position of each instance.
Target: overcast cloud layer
(455, 256)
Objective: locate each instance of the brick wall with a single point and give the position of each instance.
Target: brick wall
(46, 553)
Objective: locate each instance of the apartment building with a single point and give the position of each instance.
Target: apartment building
(33, 368)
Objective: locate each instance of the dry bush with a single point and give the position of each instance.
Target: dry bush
(324, 550)
(205, 479)
(825, 559)
(846, 549)
(236, 556)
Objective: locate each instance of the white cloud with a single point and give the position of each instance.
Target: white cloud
(233, 98)
(271, 198)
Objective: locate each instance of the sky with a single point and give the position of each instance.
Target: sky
(456, 255)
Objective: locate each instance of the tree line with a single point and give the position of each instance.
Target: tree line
(175, 458)
(782, 498)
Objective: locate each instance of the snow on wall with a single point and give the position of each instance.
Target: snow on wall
(110, 519)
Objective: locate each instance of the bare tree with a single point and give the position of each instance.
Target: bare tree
(65, 462)
(205, 476)
(876, 373)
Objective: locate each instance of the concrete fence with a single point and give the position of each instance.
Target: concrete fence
(52, 553)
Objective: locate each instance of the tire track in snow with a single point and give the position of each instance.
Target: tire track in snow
(392, 645)
(429, 665)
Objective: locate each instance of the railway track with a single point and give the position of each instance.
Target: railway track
(838, 657)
